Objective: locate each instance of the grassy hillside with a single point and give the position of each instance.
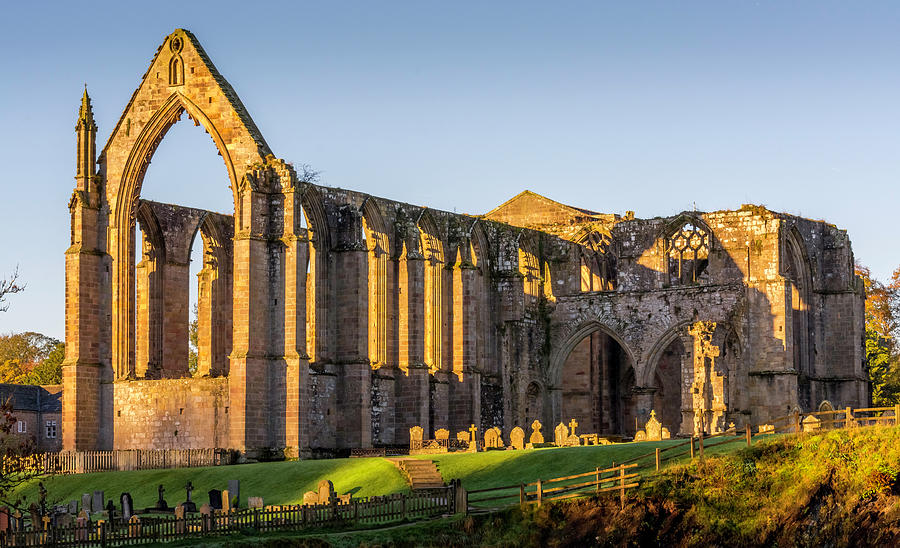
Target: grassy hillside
(285, 482)
(840, 488)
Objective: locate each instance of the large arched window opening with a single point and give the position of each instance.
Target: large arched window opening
(670, 373)
(433, 252)
(598, 266)
(597, 381)
(797, 312)
(171, 261)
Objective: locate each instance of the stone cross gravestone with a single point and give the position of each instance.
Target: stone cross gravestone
(517, 438)
(215, 499)
(234, 490)
(97, 502)
(127, 506)
(536, 436)
(161, 503)
(189, 505)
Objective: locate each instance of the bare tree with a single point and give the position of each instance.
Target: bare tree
(9, 286)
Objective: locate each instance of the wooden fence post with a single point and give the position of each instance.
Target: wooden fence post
(848, 418)
(622, 486)
(897, 414)
(657, 459)
(598, 479)
(692, 447)
(540, 492)
(522, 493)
(700, 444)
(796, 422)
(749, 434)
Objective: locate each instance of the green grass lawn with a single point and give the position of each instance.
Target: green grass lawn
(285, 482)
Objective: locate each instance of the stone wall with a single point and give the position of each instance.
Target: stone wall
(171, 414)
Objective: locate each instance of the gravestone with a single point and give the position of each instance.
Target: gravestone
(810, 423)
(189, 505)
(73, 507)
(560, 435)
(64, 520)
(215, 499)
(766, 429)
(110, 510)
(134, 526)
(84, 514)
(310, 497)
(19, 521)
(86, 502)
(415, 437)
(536, 436)
(127, 506)
(179, 519)
(492, 438)
(4, 519)
(83, 526)
(161, 503)
(441, 434)
(97, 502)
(653, 430)
(463, 435)
(326, 492)
(226, 501)
(206, 517)
(234, 491)
(255, 502)
(35, 513)
(517, 438)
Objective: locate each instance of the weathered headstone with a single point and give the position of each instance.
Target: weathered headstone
(463, 436)
(97, 502)
(4, 519)
(493, 438)
(560, 435)
(416, 434)
(215, 499)
(811, 423)
(766, 429)
(134, 526)
(189, 505)
(226, 501)
(82, 523)
(536, 436)
(206, 517)
(234, 491)
(127, 506)
(255, 502)
(326, 492)
(441, 434)
(84, 514)
(86, 502)
(64, 520)
(179, 519)
(310, 497)
(517, 438)
(653, 430)
(35, 514)
(73, 507)
(110, 510)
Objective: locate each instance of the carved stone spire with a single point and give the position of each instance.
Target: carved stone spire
(86, 129)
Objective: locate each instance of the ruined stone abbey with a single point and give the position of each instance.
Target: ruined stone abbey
(333, 319)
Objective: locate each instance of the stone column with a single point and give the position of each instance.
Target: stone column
(465, 392)
(296, 259)
(413, 386)
(706, 389)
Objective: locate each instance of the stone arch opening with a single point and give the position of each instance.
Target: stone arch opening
(797, 307)
(668, 381)
(596, 383)
(687, 253)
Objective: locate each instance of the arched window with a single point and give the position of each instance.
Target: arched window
(687, 254)
(598, 266)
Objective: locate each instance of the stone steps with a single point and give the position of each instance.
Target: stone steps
(419, 473)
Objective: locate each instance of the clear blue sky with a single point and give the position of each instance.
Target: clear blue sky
(650, 107)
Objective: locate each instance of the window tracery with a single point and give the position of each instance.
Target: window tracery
(687, 254)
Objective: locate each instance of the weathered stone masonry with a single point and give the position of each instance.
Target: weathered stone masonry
(331, 318)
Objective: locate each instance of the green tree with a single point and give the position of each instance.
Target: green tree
(193, 339)
(882, 329)
(30, 358)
